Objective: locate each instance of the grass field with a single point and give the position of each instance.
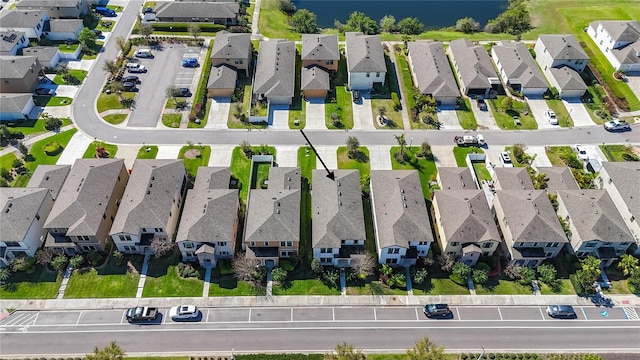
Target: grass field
(78, 74)
(426, 167)
(42, 284)
(361, 162)
(115, 119)
(109, 281)
(504, 116)
(616, 152)
(297, 109)
(171, 120)
(191, 164)
(228, 285)
(499, 286)
(112, 149)
(144, 154)
(112, 101)
(465, 115)
(339, 101)
(163, 280)
(43, 100)
(564, 120)
(460, 153)
(34, 127)
(37, 149)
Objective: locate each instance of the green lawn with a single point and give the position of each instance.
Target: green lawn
(37, 149)
(43, 100)
(78, 74)
(244, 89)
(93, 53)
(339, 100)
(112, 101)
(504, 117)
(374, 288)
(34, 127)
(6, 160)
(564, 120)
(465, 115)
(499, 286)
(619, 287)
(68, 48)
(201, 92)
(171, 120)
(105, 25)
(594, 105)
(460, 153)
(273, 23)
(481, 171)
(163, 281)
(566, 288)
(426, 167)
(361, 163)
(112, 149)
(115, 119)
(394, 117)
(407, 80)
(616, 152)
(241, 167)
(306, 161)
(110, 281)
(42, 284)
(144, 154)
(304, 287)
(228, 285)
(555, 153)
(297, 109)
(439, 286)
(260, 174)
(191, 165)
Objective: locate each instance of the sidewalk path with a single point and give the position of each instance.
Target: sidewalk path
(207, 283)
(75, 149)
(143, 275)
(65, 281)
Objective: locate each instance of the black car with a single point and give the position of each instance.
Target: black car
(436, 310)
(561, 311)
(356, 96)
(129, 86)
(482, 105)
(130, 78)
(97, 32)
(45, 91)
(184, 92)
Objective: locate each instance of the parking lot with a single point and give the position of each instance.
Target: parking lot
(163, 70)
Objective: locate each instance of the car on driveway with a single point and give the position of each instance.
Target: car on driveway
(616, 125)
(184, 313)
(582, 152)
(190, 62)
(482, 105)
(561, 312)
(551, 117)
(431, 310)
(506, 159)
(45, 91)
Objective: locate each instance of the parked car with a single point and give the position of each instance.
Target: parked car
(143, 53)
(141, 313)
(97, 32)
(184, 92)
(184, 313)
(129, 86)
(105, 11)
(582, 152)
(617, 125)
(356, 96)
(45, 91)
(431, 310)
(130, 78)
(482, 105)
(506, 159)
(190, 62)
(551, 117)
(561, 311)
(136, 68)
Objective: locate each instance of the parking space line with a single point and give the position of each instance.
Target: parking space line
(249, 314)
(499, 313)
(291, 314)
(79, 316)
(35, 319)
(164, 318)
(458, 312)
(375, 315)
(122, 318)
(333, 313)
(208, 314)
(542, 314)
(584, 313)
(417, 316)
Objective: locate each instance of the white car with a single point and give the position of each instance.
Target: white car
(506, 159)
(616, 125)
(184, 313)
(551, 116)
(582, 152)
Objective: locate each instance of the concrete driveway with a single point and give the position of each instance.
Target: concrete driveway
(221, 155)
(538, 108)
(168, 151)
(443, 155)
(448, 118)
(594, 152)
(363, 114)
(380, 157)
(328, 154)
(578, 112)
(493, 155)
(541, 159)
(129, 153)
(484, 119)
(219, 113)
(315, 114)
(75, 149)
(287, 156)
(279, 116)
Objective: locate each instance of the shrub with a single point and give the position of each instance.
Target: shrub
(278, 274)
(187, 270)
(526, 275)
(59, 262)
(94, 258)
(184, 27)
(547, 273)
(316, 267)
(225, 267)
(421, 276)
(76, 261)
(396, 101)
(482, 266)
(287, 264)
(460, 272)
(22, 263)
(119, 257)
(480, 276)
(53, 148)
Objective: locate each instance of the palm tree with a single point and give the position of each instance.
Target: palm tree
(402, 142)
(382, 111)
(425, 150)
(353, 145)
(110, 67)
(627, 264)
(591, 265)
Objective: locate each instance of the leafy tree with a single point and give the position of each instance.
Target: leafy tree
(634, 280)
(5, 174)
(145, 30)
(507, 103)
(388, 23)
(110, 67)
(121, 44)
(519, 152)
(353, 146)
(526, 275)
(583, 178)
(420, 276)
(23, 148)
(425, 349)
(17, 163)
(287, 7)
(76, 261)
(245, 268)
(304, 22)
(540, 180)
(585, 280)
(316, 267)
(467, 25)
(161, 248)
(410, 26)
(109, 352)
(19, 263)
(345, 351)
(331, 278)
(195, 30)
(4, 276)
(547, 273)
(246, 148)
(87, 38)
(119, 257)
(363, 265)
(358, 21)
(425, 150)
(513, 271)
(461, 271)
(591, 265)
(515, 20)
(172, 92)
(627, 264)
(278, 274)
(480, 276)
(446, 262)
(52, 123)
(401, 156)
(62, 68)
(59, 262)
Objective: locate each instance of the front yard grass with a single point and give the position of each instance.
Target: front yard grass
(228, 285)
(151, 153)
(112, 149)
(504, 117)
(361, 162)
(481, 171)
(191, 163)
(465, 115)
(42, 284)
(439, 285)
(163, 280)
(617, 152)
(112, 101)
(460, 153)
(304, 287)
(426, 167)
(35, 126)
(407, 80)
(564, 119)
(595, 105)
(109, 281)
(241, 168)
(243, 89)
(68, 48)
(171, 120)
(37, 150)
(555, 154)
(502, 286)
(339, 99)
(619, 287)
(306, 162)
(115, 119)
(374, 288)
(105, 25)
(274, 23)
(78, 74)
(566, 288)
(43, 100)
(394, 118)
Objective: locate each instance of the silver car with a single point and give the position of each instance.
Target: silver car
(184, 313)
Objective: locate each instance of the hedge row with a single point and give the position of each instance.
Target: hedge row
(184, 27)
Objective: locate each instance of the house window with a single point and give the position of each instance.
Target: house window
(590, 245)
(368, 74)
(188, 245)
(343, 242)
(238, 61)
(12, 243)
(377, 74)
(221, 243)
(88, 248)
(452, 253)
(325, 260)
(266, 243)
(486, 245)
(325, 251)
(423, 243)
(158, 230)
(189, 254)
(548, 254)
(253, 243)
(393, 251)
(454, 243)
(555, 244)
(286, 253)
(129, 248)
(282, 243)
(392, 261)
(329, 62)
(225, 253)
(535, 244)
(125, 237)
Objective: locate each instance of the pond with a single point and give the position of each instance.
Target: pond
(434, 14)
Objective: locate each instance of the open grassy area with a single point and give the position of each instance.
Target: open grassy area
(68, 48)
(43, 100)
(595, 105)
(42, 284)
(92, 54)
(105, 25)
(115, 119)
(112, 149)
(439, 284)
(37, 150)
(564, 119)
(112, 101)
(566, 288)
(201, 92)
(297, 109)
(481, 171)
(144, 154)
(555, 153)
(35, 126)
(460, 153)
(406, 81)
(373, 288)
(465, 115)
(339, 100)
(244, 90)
(273, 23)
(109, 281)
(504, 116)
(6, 160)
(302, 282)
(306, 161)
(361, 162)
(191, 163)
(619, 287)
(617, 152)
(228, 285)
(394, 118)
(171, 120)
(502, 286)
(163, 280)
(426, 167)
(78, 74)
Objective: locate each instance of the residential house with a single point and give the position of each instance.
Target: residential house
(86, 206)
(567, 81)
(431, 71)
(222, 81)
(51, 177)
(595, 224)
(274, 78)
(320, 50)
(529, 225)
(619, 41)
(366, 65)
(517, 68)
(562, 59)
(622, 182)
(337, 227)
(512, 178)
(225, 13)
(12, 41)
(69, 9)
(233, 49)
(19, 74)
(272, 224)
(209, 222)
(314, 82)
(48, 56)
(23, 213)
(400, 218)
(15, 107)
(63, 29)
(558, 178)
(30, 22)
(465, 226)
(150, 206)
(456, 178)
(474, 67)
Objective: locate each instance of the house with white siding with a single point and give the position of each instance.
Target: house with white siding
(365, 61)
(619, 41)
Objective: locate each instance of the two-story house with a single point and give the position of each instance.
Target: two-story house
(320, 55)
(225, 13)
(233, 49)
(562, 59)
(366, 66)
(512, 178)
(84, 210)
(16, 107)
(337, 227)
(12, 41)
(19, 74)
(48, 56)
(30, 22)
(558, 178)
(400, 217)
(63, 29)
(274, 78)
(517, 68)
(59, 9)
(474, 67)
(529, 225)
(431, 71)
(272, 224)
(456, 178)
(209, 222)
(150, 206)
(619, 41)
(51, 177)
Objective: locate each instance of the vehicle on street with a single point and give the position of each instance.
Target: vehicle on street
(130, 78)
(482, 105)
(143, 53)
(135, 68)
(506, 159)
(616, 125)
(551, 117)
(45, 91)
(184, 313)
(561, 311)
(582, 152)
(190, 62)
(129, 86)
(105, 11)
(436, 310)
(469, 140)
(141, 313)
(184, 92)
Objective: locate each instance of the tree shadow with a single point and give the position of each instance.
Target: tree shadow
(360, 156)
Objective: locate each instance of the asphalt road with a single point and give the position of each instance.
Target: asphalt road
(313, 329)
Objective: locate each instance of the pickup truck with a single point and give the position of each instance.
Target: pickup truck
(469, 140)
(141, 313)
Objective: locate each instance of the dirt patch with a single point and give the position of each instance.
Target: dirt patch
(192, 153)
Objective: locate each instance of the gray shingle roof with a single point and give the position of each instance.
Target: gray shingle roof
(275, 72)
(432, 69)
(320, 47)
(452, 178)
(210, 208)
(273, 214)
(16, 67)
(51, 177)
(513, 178)
(465, 216)
(85, 195)
(364, 53)
(559, 178)
(530, 216)
(474, 66)
(43, 53)
(205, 249)
(52, 3)
(231, 45)
(22, 18)
(63, 25)
(10, 39)
(563, 47)
(620, 31)
(314, 78)
(149, 195)
(628, 54)
(222, 77)
(399, 208)
(19, 209)
(568, 79)
(337, 209)
(594, 215)
(626, 178)
(517, 63)
(193, 9)
(14, 102)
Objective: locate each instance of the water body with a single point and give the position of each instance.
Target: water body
(434, 14)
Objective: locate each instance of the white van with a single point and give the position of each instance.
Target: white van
(135, 68)
(143, 53)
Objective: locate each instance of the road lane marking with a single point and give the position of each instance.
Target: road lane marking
(333, 313)
(417, 316)
(208, 315)
(458, 312)
(500, 313)
(291, 314)
(35, 319)
(375, 315)
(630, 313)
(249, 314)
(584, 313)
(79, 316)
(122, 318)
(542, 314)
